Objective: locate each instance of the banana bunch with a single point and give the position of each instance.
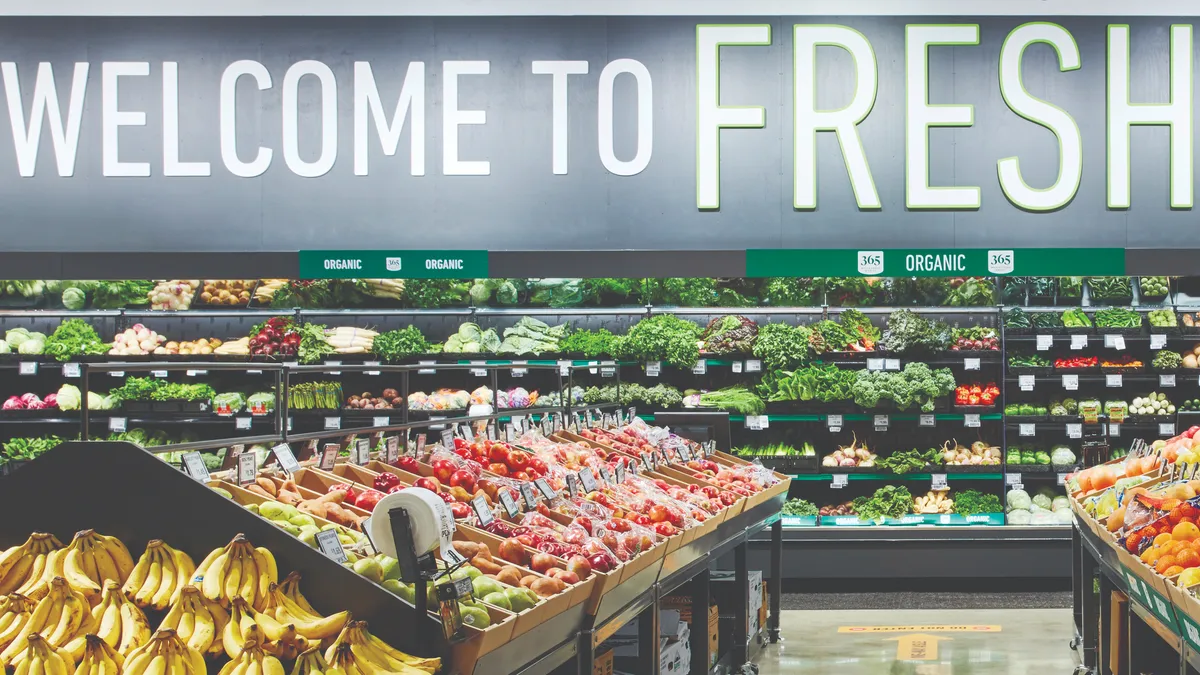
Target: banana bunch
(158, 577)
(197, 621)
(93, 559)
(238, 570)
(164, 654)
(119, 623)
(311, 662)
(59, 617)
(39, 658)
(22, 567)
(357, 651)
(99, 658)
(288, 607)
(15, 610)
(253, 661)
(246, 624)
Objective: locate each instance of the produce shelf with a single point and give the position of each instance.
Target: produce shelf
(887, 477)
(862, 417)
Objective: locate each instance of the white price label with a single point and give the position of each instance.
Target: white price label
(329, 456)
(564, 368)
(839, 480)
(1070, 382)
(1027, 429)
(971, 421)
(1062, 478)
(1112, 380)
(971, 364)
(944, 519)
(27, 368)
(938, 481)
(927, 420)
(1166, 380)
(764, 422)
(1166, 429)
(1074, 431)
(519, 372)
(193, 463)
(371, 363)
(737, 366)
(1114, 341)
(393, 449)
(479, 372)
(241, 422)
(254, 372)
(363, 454)
(247, 465)
(891, 364)
(587, 479)
(874, 364)
(333, 423)
(287, 459)
(607, 371)
(195, 373)
(1044, 342)
(70, 370)
(159, 373)
(380, 421)
(701, 367)
(509, 504)
(482, 511)
(331, 546)
(116, 424)
(1026, 382)
(834, 422)
(881, 420)
(1158, 341)
(753, 366)
(1079, 342)
(653, 368)
(1114, 430)
(426, 371)
(1012, 479)
(116, 373)
(289, 423)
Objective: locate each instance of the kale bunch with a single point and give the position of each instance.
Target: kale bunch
(909, 331)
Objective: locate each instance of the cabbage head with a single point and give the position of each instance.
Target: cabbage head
(74, 298)
(1062, 455)
(1019, 517)
(1042, 501)
(1064, 517)
(16, 336)
(1018, 499)
(31, 347)
(1060, 502)
(5, 348)
(69, 397)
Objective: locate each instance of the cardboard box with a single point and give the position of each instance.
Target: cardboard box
(714, 635)
(675, 656)
(603, 664)
(1118, 609)
(721, 585)
(762, 610)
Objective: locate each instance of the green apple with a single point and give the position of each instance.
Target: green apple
(288, 527)
(271, 510)
(369, 568)
(518, 600)
(391, 567)
(498, 600)
(484, 586)
(473, 616)
(223, 492)
(471, 571)
(302, 519)
(252, 508)
(289, 511)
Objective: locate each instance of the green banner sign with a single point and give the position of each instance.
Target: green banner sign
(947, 262)
(1149, 597)
(393, 264)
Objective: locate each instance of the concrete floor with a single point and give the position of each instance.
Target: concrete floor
(1029, 642)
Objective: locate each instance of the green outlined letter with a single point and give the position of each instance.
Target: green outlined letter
(844, 121)
(711, 116)
(1177, 114)
(920, 115)
(1054, 118)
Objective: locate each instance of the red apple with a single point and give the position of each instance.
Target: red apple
(518, 460)
(521, 476)
(565, 576)
(658, 513)
(460, 510)
(464, 479)
(579, 566)
(350, 490)
(664, 529)
(367, 499)
(409, 464)
(513, 551)
(600, 562)
(428, 483)
(538, 465)
(498, 469)
(443, 469)
(542, 563)
(498, 453)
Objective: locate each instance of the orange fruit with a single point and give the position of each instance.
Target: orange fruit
(1162, 539)
(1172, 546)
(1185, 531)
(1163, 563)
(1175, 516)
(1172, 571)
(1190, 512)
(1151, 555)
(1188, 558)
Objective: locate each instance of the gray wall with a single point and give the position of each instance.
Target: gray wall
(521, 205)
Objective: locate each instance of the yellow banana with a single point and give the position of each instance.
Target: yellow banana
(42, 657)
(233, 639)
(45, 615)
(311, 662)
(74, 609)
(106, 567)
(75, 573)
(290, 587)
(161, 598)
(272, 629)
(375, 645)
(13, 632)
(135, 631)
(109, 615)
(233, 577)
(184, 569)
(268, 571)
(116, 550)
(36, 587)
(18, 564)
(203, 567)
(137, 576)
(146, 593)
(248, 590)
(97, 656)
(19, 572)
(317, 628)
(214, 578)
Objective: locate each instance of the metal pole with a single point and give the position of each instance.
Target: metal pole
(701, 659)
(776, 580)
(648, 637)
(741, 613)
(84, 427)
(1090, 609)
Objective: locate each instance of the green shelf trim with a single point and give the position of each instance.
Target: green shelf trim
(827, 477)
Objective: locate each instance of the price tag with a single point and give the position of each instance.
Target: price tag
(363, 448)
(620, 472)
(764, 422)
(737, 366)
(371, 363)
(564, 368)
(1044, 342)
(27, 368)
(1012, 479)
(448, 438)
(254, 372)
(753, 366)
(331, 546)
(426, 371)
(1070, 382)
(491, 431)
(751, 422)
(938, 481)
(70, 370)
(881, 421)
(839, 480)
(519, 372)
(380, 421)
(518, 422)
(874, 364)
(971, 421)
(685, 453)
(607, 371)
(509, 432)
(1079, 341)
(1114, 430)
(543, 487)
(653, 368)
(480, 506)
(1026, 382)
(701, 367)
(606, 475)
(247, 465)
(242, 422)
(393, 449)
(193, 464)
(572, 486)
(632, 413)
(116, 424)
(1158, 341)
(333, 423)
(834, 422)
(927, 420)
(1112, 380)
(891, 364)
(1074, 431)
(159, 373)
(647, 461)
(588, 479)
(971, 364)
(289, 423)
(1062, 478)
(328, 457)
(286, 458)
(1027, 429)
(528, 495)
(1114, 341)
(479, 372)
(116, 373)
(420, 444)
(1166, 428)
(468, 433)
(509, 504)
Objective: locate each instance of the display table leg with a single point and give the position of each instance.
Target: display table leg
(587, 652)
(776, 580)
(648, 638)
(699, 628)
(741, 616)
(1100, 657)
(1077, 553)
(1090, 609)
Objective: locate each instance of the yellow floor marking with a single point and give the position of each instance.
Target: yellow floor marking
(917, 647)
(961, 628)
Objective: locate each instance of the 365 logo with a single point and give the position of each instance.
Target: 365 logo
(392, 264)
(870, 263)
(1000, 262)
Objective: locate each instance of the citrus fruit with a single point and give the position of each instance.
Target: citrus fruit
(1185, 532)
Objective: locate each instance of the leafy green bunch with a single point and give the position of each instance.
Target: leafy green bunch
(394, 345)
(909, 331)
(781, 346)
(823, 382)
(916, 385)
(592, 343)
(890, 501)
(969, 502)
(74, 337)
(664, 337)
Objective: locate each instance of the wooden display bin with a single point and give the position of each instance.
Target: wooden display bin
(576, 593)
